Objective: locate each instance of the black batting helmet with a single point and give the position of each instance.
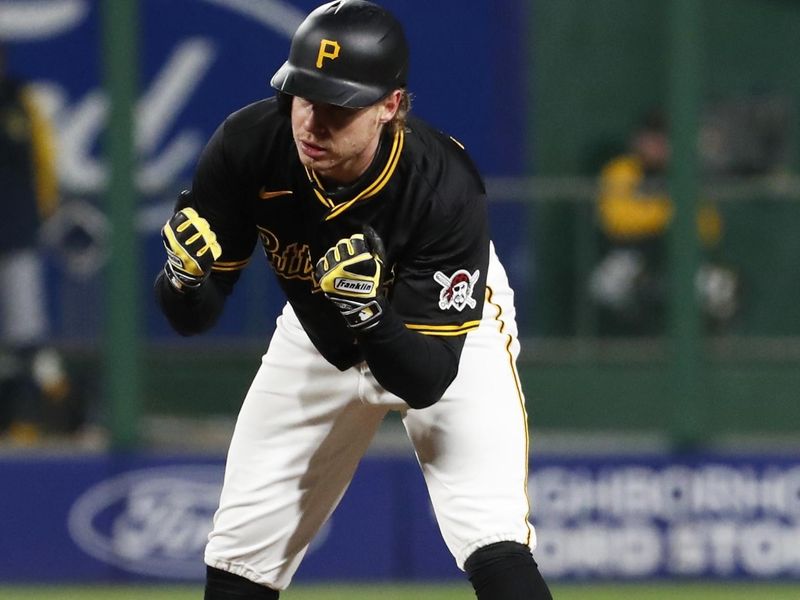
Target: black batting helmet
(349, 53)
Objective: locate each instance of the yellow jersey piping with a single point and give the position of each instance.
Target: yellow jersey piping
(444, 330)
(326, 202)
(230, 266)
(381, 181)
(372, 189)
(520, 396)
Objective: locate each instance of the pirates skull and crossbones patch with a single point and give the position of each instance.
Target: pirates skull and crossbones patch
(457, 289)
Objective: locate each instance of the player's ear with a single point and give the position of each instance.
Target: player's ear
(390, 105)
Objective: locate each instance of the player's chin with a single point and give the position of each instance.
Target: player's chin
(321, 166)
(313, 160)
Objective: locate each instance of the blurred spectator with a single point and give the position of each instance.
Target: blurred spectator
(629, 284)
(33, 383)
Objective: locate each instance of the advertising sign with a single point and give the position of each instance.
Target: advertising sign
(655, 517)
(107, 518)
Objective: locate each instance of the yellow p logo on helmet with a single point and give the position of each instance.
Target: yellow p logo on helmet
(327, 49)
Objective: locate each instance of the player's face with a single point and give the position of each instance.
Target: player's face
(339, 143)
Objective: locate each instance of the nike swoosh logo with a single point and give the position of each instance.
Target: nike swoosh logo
(265, 195)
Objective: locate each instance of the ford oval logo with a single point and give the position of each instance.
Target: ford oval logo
(152, 522)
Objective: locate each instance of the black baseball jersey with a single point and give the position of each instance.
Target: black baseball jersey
(421, 194)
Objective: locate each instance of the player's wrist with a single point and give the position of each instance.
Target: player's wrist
(181, 282)
(361, 315)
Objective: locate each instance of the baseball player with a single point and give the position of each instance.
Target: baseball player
(375, 225)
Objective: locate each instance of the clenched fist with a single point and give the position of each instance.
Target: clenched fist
(191, 249)
(351, 275)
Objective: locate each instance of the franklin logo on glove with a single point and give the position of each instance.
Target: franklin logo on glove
(348, 285)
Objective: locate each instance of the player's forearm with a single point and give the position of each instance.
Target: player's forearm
(191, 312)
(415, 367)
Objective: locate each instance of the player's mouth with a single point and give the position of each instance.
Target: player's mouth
(312, 151)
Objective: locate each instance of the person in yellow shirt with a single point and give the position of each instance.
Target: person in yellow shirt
(32, 373)
(634, 211)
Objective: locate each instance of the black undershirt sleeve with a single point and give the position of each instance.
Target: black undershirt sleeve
(193, 311)
(417, 368)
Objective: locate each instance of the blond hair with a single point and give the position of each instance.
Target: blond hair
(398, 122)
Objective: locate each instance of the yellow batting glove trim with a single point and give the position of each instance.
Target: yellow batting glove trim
(178, 255)
(337, 279)
(188, 240)
(203, 231)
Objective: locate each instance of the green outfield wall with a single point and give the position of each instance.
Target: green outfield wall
(596, 68)
(569, 386)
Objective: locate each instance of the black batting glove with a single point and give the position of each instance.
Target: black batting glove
(351, 276)
(191, 249)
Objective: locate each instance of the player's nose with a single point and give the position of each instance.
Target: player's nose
(315, 121)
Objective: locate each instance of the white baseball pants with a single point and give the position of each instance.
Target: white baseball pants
(304, 425)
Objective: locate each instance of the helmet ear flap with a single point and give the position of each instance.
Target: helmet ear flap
(284, 103)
